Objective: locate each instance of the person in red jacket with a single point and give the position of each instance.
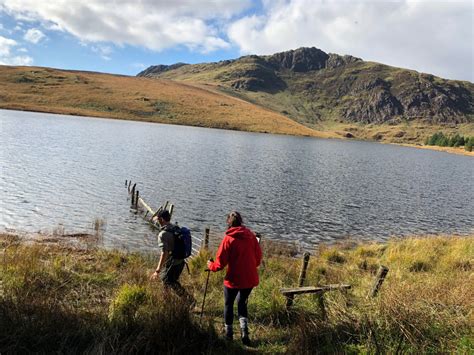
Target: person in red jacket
(241, 253)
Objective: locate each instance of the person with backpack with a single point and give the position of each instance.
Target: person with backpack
(241, 253)
(173, 254)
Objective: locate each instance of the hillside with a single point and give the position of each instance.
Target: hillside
(122, 97)
(332, 92)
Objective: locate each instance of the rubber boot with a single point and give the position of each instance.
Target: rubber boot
(244, 331)
(229, 332)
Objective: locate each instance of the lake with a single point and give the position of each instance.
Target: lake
(65, 172)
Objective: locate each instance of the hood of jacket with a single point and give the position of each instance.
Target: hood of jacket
(240, 232)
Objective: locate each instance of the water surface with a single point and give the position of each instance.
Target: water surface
(69, 171)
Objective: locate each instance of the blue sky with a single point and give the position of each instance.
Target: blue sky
(125, 36)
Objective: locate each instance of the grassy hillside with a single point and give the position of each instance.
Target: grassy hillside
(144, 99)
(346, 95)
(56, 298)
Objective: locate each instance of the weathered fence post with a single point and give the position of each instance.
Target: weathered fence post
(133, 194)
(126, 181)
(129, 183)
(171, 209)
(303, 269)
(324, 314)
(136, 200)
(304, 266)
(381, 273)
(205, 241)
(259, 239)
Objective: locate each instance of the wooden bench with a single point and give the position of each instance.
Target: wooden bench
(289, 293)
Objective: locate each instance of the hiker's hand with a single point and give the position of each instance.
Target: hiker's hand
(209, 263)
(155, 275)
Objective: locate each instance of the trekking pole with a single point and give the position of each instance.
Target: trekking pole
(205, 292)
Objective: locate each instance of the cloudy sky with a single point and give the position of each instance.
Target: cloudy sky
(126, 36)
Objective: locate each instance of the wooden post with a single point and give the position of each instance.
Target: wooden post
(126, 182)
(303, 269)
(289, 299)
(129, 183)
(259, 239)
(133, 194)
(206, 238)
(383, 270)
(136, 200)
(171, 209)
(324, 314)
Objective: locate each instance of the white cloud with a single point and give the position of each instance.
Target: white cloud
(429, 36)
(6, 55)
(103, 51)
(6, 44)
(155, 25)
(34, 35)
(17, 60)
(138, 65)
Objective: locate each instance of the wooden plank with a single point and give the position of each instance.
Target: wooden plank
(144, 204)
(312, 289)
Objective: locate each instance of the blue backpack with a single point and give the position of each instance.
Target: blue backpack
(182, 243)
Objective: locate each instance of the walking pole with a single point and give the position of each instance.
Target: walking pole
(205, 292)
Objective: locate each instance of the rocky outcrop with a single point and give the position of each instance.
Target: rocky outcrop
(299, 60)
(157, 69)
(336, 60)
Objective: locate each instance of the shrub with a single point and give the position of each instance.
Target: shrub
(335, 257)
(469, 144)
(457, 140)
(125, 306)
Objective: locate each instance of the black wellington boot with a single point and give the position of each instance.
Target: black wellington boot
(244, 332)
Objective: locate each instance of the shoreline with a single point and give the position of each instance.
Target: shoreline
(450, 150)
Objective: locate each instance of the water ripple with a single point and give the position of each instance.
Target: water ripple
(71, 170)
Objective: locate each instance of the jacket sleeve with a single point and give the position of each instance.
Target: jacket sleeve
(222, 256)
(258, 252)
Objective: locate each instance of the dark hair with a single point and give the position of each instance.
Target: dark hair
(234, 219)
(164, 214)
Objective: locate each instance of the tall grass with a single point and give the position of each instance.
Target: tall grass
(55, 298)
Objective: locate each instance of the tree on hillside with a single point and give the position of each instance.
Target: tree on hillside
(469, 144)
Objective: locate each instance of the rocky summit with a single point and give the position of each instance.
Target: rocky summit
(311, 86)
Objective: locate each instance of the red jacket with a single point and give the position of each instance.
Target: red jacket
(241, 253)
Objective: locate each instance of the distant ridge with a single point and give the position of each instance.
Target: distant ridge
(311, 87)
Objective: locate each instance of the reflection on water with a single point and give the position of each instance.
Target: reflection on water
(70, 170)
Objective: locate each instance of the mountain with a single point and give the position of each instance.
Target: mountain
(317, 89)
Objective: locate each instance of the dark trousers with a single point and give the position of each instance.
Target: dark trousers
(170, 276)
(230, 294)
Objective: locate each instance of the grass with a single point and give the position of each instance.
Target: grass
(133, 98)
(57, 298)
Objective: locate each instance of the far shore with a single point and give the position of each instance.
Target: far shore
(317, 134)
(452, 150)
